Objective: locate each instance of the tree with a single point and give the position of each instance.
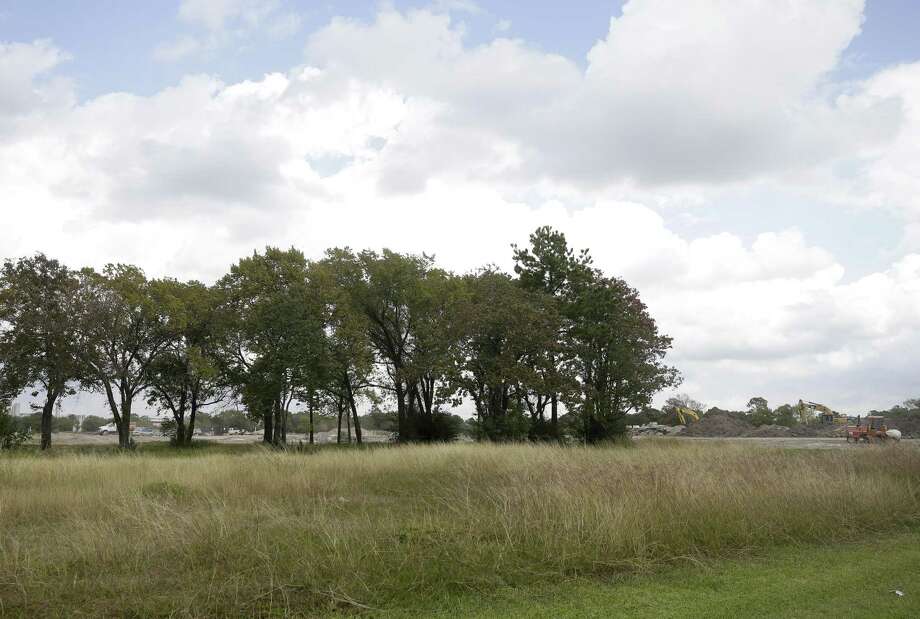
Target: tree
(12, 433)
(122, 331)
(405, 300)
(92, 423)
(274, 332)
(550, 266)
(617, 353)
(674, 403)
(346, 367)
(185, 377)
(502, 331)
(38, 332)
(786, 415)
(759, 411)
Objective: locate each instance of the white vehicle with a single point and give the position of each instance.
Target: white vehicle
(109, 428)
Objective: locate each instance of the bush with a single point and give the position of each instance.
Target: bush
(92, 423)
(168, 429)
(12, 433)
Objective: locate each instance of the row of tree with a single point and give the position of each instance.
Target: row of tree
(556, 336)
(758, 412)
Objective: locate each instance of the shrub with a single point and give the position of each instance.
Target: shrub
(12, 433)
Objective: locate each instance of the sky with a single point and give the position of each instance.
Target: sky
(751, 166)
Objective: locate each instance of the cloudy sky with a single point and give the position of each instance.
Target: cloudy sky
(752, 166)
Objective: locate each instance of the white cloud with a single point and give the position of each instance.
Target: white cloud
(177, 50)
(216, 15)
(24, 85)
(461, 151)
(696, 92)
(222, 22)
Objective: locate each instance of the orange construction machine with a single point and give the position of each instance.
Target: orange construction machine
(871, 429)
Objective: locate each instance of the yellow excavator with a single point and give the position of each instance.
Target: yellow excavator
(811, 411)
(683, 413)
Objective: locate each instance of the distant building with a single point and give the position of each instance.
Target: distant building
(15, 409)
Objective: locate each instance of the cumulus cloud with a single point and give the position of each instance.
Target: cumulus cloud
(462, 150)
(220, 22)
(693, 93)
(24, 81)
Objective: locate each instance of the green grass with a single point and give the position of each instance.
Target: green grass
(841, 580)
(261, 533)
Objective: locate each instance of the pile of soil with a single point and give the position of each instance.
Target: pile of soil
(819, 430)
(770, 431)
(727, 423)
(719, 424)
(909, 426)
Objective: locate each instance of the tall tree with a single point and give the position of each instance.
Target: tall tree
(551, 267)
(38, 332)
(404, 298)
(502, 330)
(122, 331)
(346, 368)
(186, 377)
(275, 329)
(617, 353)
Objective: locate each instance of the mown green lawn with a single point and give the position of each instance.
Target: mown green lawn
(843, 580)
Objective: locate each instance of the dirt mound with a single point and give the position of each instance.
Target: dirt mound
(736, 424)
(719, 424)
(770, 431)
(909, 426)
(819, 430)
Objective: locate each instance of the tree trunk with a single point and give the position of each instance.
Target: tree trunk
(338, 435)
(402, 431)
(554, 416)
(192, 413)
(310, 405)
(268, 429)
(124, 429)
(354, 408)
(348, 424)
(180, 431)
(284, 421)
(47, 418)
(276, 421)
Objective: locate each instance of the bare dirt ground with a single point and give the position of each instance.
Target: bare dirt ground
(67, 438)
(794, 442)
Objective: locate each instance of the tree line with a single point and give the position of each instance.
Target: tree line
(557, 336)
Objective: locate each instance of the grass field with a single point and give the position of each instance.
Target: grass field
(458, 530)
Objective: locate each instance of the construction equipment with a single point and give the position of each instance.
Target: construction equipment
(811, 411)
(683, 413)
(871, 429)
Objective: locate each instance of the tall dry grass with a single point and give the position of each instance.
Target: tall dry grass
(266, 532)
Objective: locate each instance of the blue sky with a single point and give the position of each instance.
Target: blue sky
(112, 42)
(752, 167)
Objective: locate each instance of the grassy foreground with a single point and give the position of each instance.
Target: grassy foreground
(397, 530)
(840, 580)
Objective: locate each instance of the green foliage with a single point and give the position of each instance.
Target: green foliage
(759, 411)
(13, 434)
(38, 337)
(617, 353)
(274, 332)
(341, 334)
(124, 326)
(502, 331)
(92, 423)
(186, 375)
(786, 415)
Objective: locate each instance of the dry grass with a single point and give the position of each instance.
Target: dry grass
(265, 533)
